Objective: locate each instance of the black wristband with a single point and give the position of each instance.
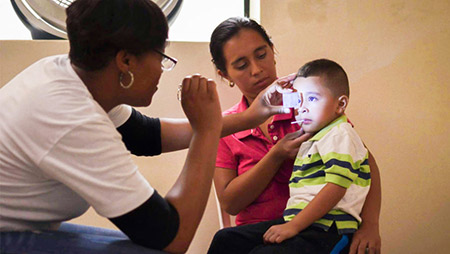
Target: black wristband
(153, 224)
(141, 134)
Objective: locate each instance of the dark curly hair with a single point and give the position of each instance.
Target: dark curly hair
(98, 29)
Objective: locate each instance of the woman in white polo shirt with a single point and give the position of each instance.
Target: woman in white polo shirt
(60, 152)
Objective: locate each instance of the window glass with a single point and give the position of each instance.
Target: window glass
(11, 27)
(198, 18)
(194, 22)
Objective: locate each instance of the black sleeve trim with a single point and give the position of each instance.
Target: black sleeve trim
(154, 224)
(141, 134)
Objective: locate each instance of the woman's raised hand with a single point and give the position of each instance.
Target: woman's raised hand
(201, 103)
(189, 195)
(269, 101)
(272, 95)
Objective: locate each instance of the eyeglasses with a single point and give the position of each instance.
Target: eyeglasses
(167, 63)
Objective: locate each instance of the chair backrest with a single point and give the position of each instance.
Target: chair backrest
(225, 219)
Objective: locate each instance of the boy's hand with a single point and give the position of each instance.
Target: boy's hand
(279, 233)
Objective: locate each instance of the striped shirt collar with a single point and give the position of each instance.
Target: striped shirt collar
(326, 129)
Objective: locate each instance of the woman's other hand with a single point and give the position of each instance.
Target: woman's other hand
(287, 147)
(366, 240)
(269, 101)
(367, 237)
(201, 103)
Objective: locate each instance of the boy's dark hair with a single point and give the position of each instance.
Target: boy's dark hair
(334, 74)
(225, 31)
(98, 29)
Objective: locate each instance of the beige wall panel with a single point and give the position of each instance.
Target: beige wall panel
(15, 56)
(397, 56)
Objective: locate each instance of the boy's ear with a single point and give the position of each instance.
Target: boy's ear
(342, 105)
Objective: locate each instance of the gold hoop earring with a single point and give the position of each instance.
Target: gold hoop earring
(231, 83)
(180, 86)
(131, 81)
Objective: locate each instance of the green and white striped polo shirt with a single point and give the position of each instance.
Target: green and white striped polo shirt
(336, 155)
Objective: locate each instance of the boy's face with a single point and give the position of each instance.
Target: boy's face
(318, 106)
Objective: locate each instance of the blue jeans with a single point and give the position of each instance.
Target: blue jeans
(71, 238)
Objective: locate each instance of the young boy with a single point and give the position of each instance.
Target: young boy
(330, 179)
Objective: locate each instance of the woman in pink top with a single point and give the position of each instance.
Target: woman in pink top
(253, 166)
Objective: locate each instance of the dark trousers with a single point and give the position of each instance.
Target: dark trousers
(249, 239)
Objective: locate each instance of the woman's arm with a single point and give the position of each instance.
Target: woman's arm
(156, 219)
(176, 133)
(237, 192)
(368, 235)
(171, 222)
(190, 192)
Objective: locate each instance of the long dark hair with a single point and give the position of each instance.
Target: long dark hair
(225, 31)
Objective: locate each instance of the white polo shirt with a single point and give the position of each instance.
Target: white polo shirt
(60, 152)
